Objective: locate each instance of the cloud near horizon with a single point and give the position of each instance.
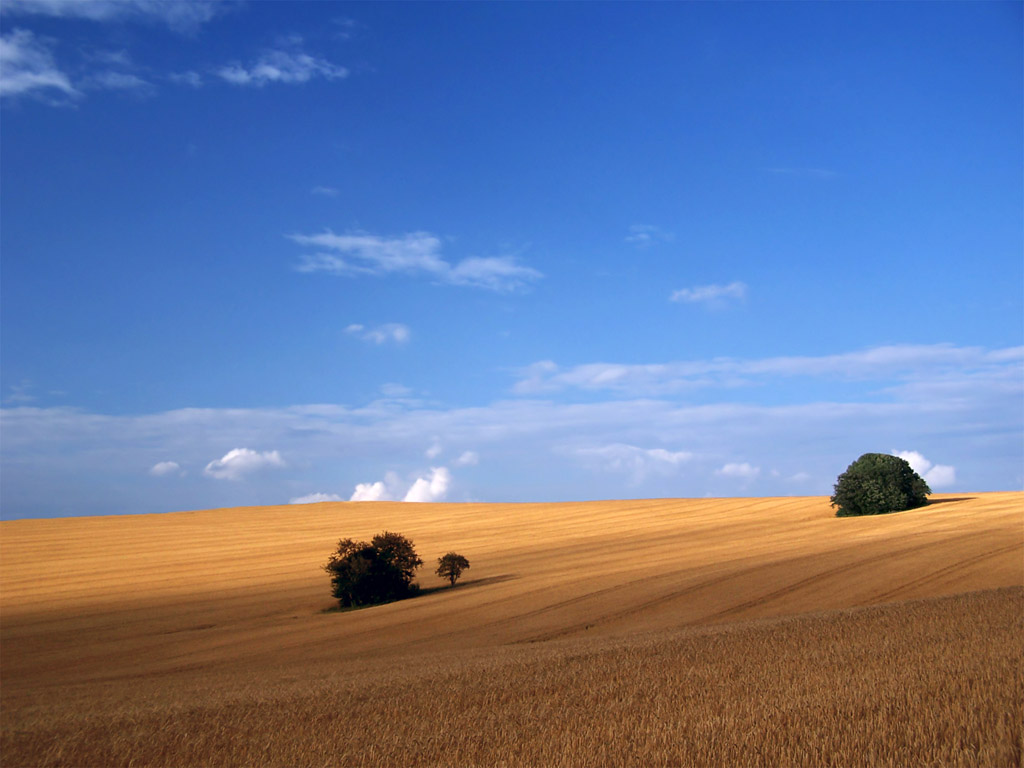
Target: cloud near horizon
(433, 487)
(954, 400)
(412, 254)
(936, 475)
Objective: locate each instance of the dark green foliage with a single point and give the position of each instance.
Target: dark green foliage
(878, 483)
(376, 572)
(451, 566)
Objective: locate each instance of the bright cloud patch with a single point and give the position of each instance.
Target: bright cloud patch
(314, 498)
(396, 332)
(711, 294)
(281, 67)
(182, 15)
(26, 65)
(742, 471)
(432, 488)
(235, 464)
(165, 468)
(467, 459)
(413, 254)
(936, 475)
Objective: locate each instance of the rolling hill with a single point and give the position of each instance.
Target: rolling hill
(204, 637)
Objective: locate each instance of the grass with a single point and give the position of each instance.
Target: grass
(665, 632)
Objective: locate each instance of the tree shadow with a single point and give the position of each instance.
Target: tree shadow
(421, 591)
(949, 501)
(468, 584)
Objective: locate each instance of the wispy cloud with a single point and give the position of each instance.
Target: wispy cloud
(394, 332)
(281, 66)
(325, 191)
(712, 295)
(162, 468)
(190, 78)
(949, 401)
(110, 80)
(237, 463)
(27, 67)
(634, 461)
(922, 371)
(741, 471)
(412, 254)
(315, 498)
(643, 235)
(180, 15)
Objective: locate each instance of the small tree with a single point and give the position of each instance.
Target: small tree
(376, 572)
(878, 483)
(451, 566)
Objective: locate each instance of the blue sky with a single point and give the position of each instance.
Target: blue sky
(262, 252)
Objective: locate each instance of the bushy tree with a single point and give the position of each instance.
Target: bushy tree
(379, 571)
(878, 483)
(451, 566)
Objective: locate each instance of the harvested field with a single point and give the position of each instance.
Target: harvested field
(660, 632)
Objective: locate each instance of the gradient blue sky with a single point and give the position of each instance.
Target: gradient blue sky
(263, 252)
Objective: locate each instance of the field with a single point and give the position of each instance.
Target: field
(657, 632)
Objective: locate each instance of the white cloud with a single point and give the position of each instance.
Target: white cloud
(414, 254)
(117, 81)
(497, 273)
(325, 191)
(370, 492)
(638, 462)
(711, 294)
(643, 235)
(954, 400)
(432, 488)
(743, 471)
(467, 459)
(433, 451)
(936, 475)
(396, 332)
(27, 65)
(242, 461)
(915, 368)
(165, 468)
(180, 15)
(315, 498)
(280, 66)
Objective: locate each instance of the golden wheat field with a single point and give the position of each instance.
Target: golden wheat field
(656, 632)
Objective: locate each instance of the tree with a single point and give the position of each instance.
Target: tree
(451, 566)
(878, 483)
(376, 572)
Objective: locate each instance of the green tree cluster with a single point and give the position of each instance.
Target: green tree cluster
(878, 483)
(382, 569)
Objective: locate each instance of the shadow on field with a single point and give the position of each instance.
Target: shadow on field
(422, 591)
(933, 502)
(469, 584)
